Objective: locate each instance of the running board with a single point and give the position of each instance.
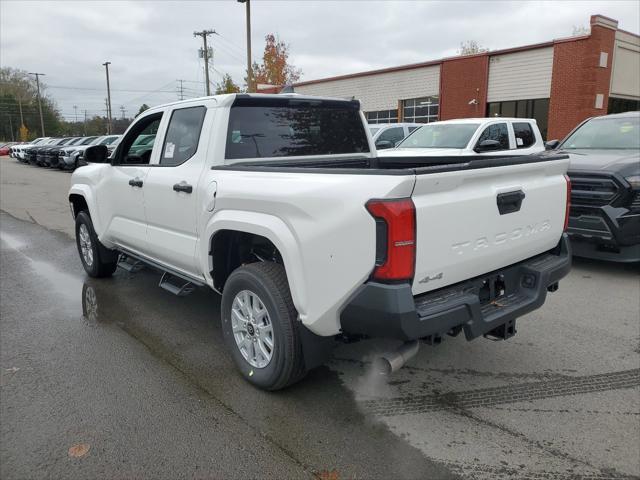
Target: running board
(130, 264)
(176, 285)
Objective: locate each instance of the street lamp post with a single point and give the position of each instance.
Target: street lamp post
(106, 66)
(250, 86)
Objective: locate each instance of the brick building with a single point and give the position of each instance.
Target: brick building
(559, 83)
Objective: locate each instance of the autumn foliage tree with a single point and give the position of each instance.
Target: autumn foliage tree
(227, 85)
(275, 68)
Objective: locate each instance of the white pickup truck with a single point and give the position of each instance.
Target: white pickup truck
(279, 203)
(493, 136)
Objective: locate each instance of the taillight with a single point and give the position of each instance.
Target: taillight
(568, 205)
(395, 238)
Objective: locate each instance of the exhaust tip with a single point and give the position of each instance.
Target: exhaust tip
(382, 366)
(394, 361)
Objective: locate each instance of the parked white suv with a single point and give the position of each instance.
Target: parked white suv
(279, 203)
(473, 136)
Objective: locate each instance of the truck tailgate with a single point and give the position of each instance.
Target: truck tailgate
(461, 232)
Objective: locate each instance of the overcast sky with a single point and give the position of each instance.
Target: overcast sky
(150, 44)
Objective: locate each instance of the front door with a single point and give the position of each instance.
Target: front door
(171, 191)
(121, 190)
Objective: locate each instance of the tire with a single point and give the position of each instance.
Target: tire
(97, 260)
(268, 282)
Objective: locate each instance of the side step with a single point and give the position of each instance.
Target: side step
(176, 285)
(129, 264)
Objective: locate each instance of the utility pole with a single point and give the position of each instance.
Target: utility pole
(85, 123)
(106, 66)
(123, 110)
(38, 75)
(75, 109)
(20, 106)
(181, 93)
(249, 66)
(204, 34)
(11, 127)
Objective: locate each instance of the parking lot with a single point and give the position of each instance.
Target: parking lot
(141, 379)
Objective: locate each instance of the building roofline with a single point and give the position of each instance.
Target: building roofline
(431, 63)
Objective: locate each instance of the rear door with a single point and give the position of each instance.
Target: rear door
(171, 189)
(461, 232)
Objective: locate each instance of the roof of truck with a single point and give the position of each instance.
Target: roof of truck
(228, 98)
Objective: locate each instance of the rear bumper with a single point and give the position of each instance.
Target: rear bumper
(391, 311)
(605, 233)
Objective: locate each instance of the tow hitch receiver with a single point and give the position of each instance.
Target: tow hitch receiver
(503, 332)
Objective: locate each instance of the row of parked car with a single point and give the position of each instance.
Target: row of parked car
(65, 153)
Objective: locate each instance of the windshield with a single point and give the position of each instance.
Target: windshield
(443, 135)
(75, 141)
(606, 133)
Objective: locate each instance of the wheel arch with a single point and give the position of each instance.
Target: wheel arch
(267, 230)
(81, 198)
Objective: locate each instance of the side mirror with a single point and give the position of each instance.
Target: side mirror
(96, 154)
(551, 144)
(382, 144)
(487, 146)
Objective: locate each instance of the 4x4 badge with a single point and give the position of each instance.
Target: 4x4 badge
(427, 279)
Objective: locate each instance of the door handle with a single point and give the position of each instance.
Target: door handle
(183, 187)
(136, 182)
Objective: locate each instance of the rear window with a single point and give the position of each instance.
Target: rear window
(263, 128)
(524, 134)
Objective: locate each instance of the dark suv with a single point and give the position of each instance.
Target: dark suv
(604, 221)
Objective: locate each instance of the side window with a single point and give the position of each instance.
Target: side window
(183, 135)
(524, 134)
(392, 135)
(136, 147)
(498, 132)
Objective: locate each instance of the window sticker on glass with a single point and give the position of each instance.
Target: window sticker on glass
(168, 151)
(519, 141)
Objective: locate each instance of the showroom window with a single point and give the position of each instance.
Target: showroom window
(621, 105)
(533, 108)
(382, 116)
(420, 110)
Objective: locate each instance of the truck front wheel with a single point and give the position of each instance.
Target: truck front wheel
(260, 326)
(97, 260)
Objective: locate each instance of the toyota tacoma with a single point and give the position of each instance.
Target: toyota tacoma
(280, 204)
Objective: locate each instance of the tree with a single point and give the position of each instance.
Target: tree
(143, 107)
(275, 68)
(19, 106)
(227, 85)
(471, 47)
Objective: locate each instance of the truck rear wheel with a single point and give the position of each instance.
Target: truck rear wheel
(260, 326)
(97, 260)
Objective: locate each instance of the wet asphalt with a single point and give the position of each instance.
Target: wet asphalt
(136, 382)
(143, 379)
